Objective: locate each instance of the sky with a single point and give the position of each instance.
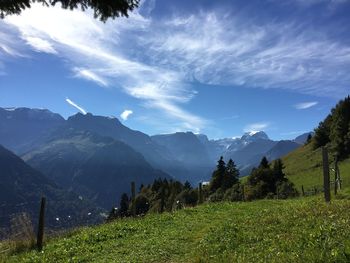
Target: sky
(220, 68)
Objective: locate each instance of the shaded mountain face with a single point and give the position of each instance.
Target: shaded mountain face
(113, 128)
(157, 155)
(184, 156)
(108, 172)
(184, 147)
(301, 139)
(21, 189)
(20, 128)
(281, 148)
(191, 155)
(96, 167)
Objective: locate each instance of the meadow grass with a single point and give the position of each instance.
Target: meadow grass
(297, 230)
(304, 167)
(304, 229)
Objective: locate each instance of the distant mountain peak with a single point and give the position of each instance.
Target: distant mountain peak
(89, 117)
(255, 135)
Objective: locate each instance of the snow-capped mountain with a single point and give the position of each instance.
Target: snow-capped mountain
(184, 155)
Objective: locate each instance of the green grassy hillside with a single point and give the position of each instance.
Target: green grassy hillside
(304, 167)
(299, 230)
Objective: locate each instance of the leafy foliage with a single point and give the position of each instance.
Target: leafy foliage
(161, 196)
(103, 9)
(267, 181)
(335, 129)
(224, 178)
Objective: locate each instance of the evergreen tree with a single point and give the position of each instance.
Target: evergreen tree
(187, 185)
(231, 176)
(278, 173)
(340, 127)
(264, 163)
(102, 9)
(218, 174)
(141, 204)
(308, 139)
(322, 132)
(124, 205)
(265, 181)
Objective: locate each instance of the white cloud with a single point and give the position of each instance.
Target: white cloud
(95, 49)
(255, 127)
(40, 45)
(305, 105)
(90, 75)
(293, 133)
(154, 60)
(125, 114)
(70, 102)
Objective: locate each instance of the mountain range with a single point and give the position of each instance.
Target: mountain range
(97, 157)
(182, 155)
(21, 188)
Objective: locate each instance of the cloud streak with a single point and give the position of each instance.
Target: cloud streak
(255, 127)
(305, 105)
(90, 75)
(40, 45)
(72, 103)
(98, 54)
(169, 54)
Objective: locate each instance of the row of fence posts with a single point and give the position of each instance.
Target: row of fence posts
(326, 177)
(326, 186)
(133, 198)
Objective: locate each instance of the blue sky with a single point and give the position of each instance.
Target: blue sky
(215, 67)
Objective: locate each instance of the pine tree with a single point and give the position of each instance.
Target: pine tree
(231, 176)
(264, 163)
(124, 205)
(187, 185)
(218, 175)
(322, 132)
(278, 173)
(308, 139)
(339, 127)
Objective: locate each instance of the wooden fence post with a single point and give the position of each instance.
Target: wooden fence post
(326, 180)
(162, 199)
(337, 172)
(41, 225)
(335, 177)
(243, 192)
(133, 195)
(200, 193)
(302, 190)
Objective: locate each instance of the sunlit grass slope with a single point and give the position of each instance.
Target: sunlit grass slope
(299, 230)
(304, 167)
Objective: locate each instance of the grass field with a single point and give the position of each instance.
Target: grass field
(304, 167)
(298, 230)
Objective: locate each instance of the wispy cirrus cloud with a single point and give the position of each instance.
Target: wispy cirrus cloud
(257, 126)
(90, 75)
(156, 59)
(125, 114)
(95, 51)
(40, 45)
(305, 105)
(72, 103)
(293, 133)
